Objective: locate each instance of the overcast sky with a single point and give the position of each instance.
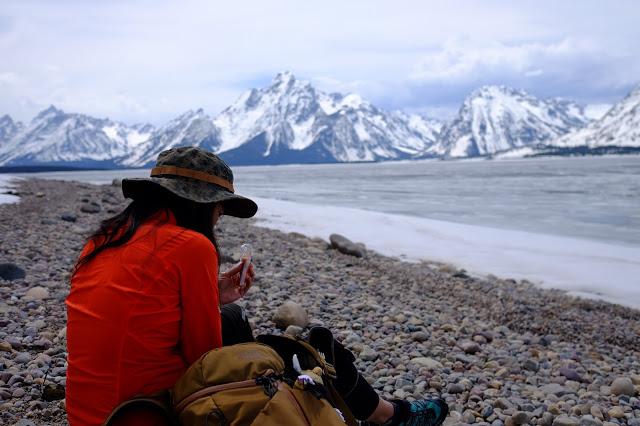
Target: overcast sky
(149, 61)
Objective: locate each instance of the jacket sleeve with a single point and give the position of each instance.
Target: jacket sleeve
(200, 328)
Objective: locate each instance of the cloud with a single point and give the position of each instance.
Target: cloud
(8, 78)
(149, 60)
(465, 60)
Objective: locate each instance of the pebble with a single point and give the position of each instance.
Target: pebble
(420, 336)
(36, 293)
(454, 388)
(290, 313)
(90, 207)
(293, 331)
(623, 386)
(346, 246)
(520, 418)
(368, 354)
(616, 412)
(429, 363)
(566, 421)
(22, 358)
(68, 217)
(571, 374)
(470, 347)
(18, 393)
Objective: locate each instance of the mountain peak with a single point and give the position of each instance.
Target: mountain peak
(50, 112)
(283, 78)
(498, 118)
(496, 90)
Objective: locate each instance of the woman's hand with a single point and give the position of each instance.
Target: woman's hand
(229, 283)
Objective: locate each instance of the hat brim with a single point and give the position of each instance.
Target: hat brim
(198, 191)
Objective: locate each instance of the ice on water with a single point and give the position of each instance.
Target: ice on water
(592, 269)
(5, 185)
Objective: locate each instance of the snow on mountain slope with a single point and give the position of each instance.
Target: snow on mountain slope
(291, 115)
(619, 127)
(55, 137)
(193, 128)
(292, 122)
(8, 129)
(494, 119)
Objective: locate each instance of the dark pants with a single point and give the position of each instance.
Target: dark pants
(357, 393)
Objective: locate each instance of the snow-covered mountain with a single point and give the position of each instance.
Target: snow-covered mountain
(291, 121)
(8, 129)
(288, 121)
(494, 119)
(54, 137)
(618, 128)
(193, 128)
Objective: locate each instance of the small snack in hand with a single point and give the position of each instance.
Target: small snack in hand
(245, 257)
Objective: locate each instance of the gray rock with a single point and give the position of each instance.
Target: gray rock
(346, 246)
(22, 358)
(502, 403)
(4, 394)
(623, 386)
(116, 182)
(11, 271)
(25, 422)
(571, 374)
(520, 418)
(293, 331)
(589, 420)
(18, 393)
(368, 354)
(430, 363)
(469, 347)
(420, 336)
(530, 365)
(69, 217)
(554, 389)
(468, 417)
(90, 207)
(455, 388)
(566, 421)
(290, 313)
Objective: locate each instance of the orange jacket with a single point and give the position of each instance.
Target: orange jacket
(138, 315)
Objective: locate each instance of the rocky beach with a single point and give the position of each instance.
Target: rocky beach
(502, 352)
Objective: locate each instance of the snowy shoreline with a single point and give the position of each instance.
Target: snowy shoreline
(582, 267)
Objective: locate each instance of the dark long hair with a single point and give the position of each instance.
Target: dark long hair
(119, 229)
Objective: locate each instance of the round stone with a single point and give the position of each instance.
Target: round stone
(623, 386)
(36, 293)
(290, 313)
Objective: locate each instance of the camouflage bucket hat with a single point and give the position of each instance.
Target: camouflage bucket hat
(194, 174)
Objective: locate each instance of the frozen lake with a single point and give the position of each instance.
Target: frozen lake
(571, 223)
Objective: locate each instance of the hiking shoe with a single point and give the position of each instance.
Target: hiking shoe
(424, 412)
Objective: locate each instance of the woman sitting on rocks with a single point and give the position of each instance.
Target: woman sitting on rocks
(145, 297)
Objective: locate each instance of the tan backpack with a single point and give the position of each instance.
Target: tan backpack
(277, 381)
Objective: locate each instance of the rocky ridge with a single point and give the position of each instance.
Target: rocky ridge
(501, 352)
